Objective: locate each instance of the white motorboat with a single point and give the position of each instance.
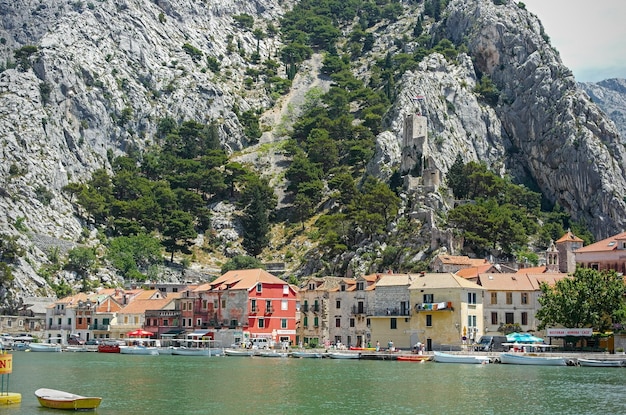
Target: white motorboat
(44, 347)
(190, 351)
(139, 350)
(525, 359)
(239, 352)
(343, 355)
(306, 355)
(441, 357)
(600, 363)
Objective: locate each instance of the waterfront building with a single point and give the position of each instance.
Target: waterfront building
(69, 315)
(255, 300)
(133, 315)
(349, 304)
(454, 263)
(448, 310)
(391, 312)
(314, 298)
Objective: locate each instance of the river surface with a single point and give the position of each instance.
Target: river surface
(158, 385)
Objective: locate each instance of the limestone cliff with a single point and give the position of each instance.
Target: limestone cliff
(105, 72)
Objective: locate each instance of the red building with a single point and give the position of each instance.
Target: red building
(252, 300)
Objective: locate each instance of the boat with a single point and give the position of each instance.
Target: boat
(190, 351)
(44, 347)
(272, 353)
(51, 398)
(76, 349)
(363, 349)
(239, 352)
(524, 359)
(600, 363)
(139, 350)
(166, 350)
(414, 358)
(307, 355)
(441, 357)
(343, 355)
(109, 347)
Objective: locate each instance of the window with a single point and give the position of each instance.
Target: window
(393, 323)
(311, 286)
(524, 298)
(494, 298)
(351, 322)
(285, 289)
(338, 304)
(261, 323)
(316, 322)
(283, 323)
(360, 286)
(59, 321)
(509, 298)
(471, 321)
(215, 304)
(69, 321)
(253, 305)
(338, 322)
(223, 303)
(524, 318)
(80, 320)
(166, 322)
(494, 317)
(284, 305)
(429, 298)
(259, 287)
(509, 318)
(184, 306)
(360, 308)
(204, 304)
(471, 298)
(268, 305)
(305, 322)
(429, 320)
(343, 287)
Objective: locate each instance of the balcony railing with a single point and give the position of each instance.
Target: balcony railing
(254, 309)
(305, 308)
(444, 305)
(393, 312)
(103, 327)
(269, 309)
(358, 310)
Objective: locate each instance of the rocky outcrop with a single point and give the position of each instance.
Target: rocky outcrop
(610, 95)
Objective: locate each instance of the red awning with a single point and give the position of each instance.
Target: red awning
(140, 333)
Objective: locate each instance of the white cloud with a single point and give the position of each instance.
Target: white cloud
(589, 35)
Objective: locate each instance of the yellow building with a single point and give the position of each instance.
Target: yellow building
(447, 310)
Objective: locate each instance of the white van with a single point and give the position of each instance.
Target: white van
(260, 343)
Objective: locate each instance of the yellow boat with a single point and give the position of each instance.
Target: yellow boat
(51, 398)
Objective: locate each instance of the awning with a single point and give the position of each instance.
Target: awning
(172, 333)
(200, 333)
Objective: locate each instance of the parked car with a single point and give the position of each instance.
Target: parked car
(76, 341)
(92, 342)
(492, 344)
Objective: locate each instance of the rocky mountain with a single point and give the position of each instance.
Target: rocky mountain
(103, 74)
(610, 95)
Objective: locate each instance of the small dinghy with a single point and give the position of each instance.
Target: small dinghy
(51, 398)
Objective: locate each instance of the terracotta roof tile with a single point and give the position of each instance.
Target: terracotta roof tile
(569, 237)
(605, 245)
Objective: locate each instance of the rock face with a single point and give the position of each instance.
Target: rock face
(104, 73)
(610, 95)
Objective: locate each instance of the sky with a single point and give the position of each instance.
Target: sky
(589, 35)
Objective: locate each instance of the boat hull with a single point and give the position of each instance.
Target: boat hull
(307, 355)
(440, 357)
(344, 355)
(243, 352)
(183, 351)
(108, 348)
(514, 359)
(417, 358)
(600, 363)
(139, 350)
(55, 399)
(44, 347)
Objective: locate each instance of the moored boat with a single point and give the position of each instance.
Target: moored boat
(190, 351)
(272, 353)
(441, 357)
(109, 347)
(343, 355)
(414, 358)
(139, 350)
(52, 398)
(524, 359)
(307, 355)
(239, 352)
(44, 347)
(600, 363)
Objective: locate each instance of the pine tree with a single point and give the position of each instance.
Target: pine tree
(255, 225)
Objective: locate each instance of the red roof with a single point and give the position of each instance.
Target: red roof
(605, 245)
(569, 237)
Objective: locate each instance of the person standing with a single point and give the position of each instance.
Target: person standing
(377, 346)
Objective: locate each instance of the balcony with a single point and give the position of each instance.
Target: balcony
(305, 308)
(358, 310)
(269, 309)
(394, 312)
(102, 327)
(442, 306)
(254, 309)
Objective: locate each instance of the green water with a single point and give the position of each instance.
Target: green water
(242, 385)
